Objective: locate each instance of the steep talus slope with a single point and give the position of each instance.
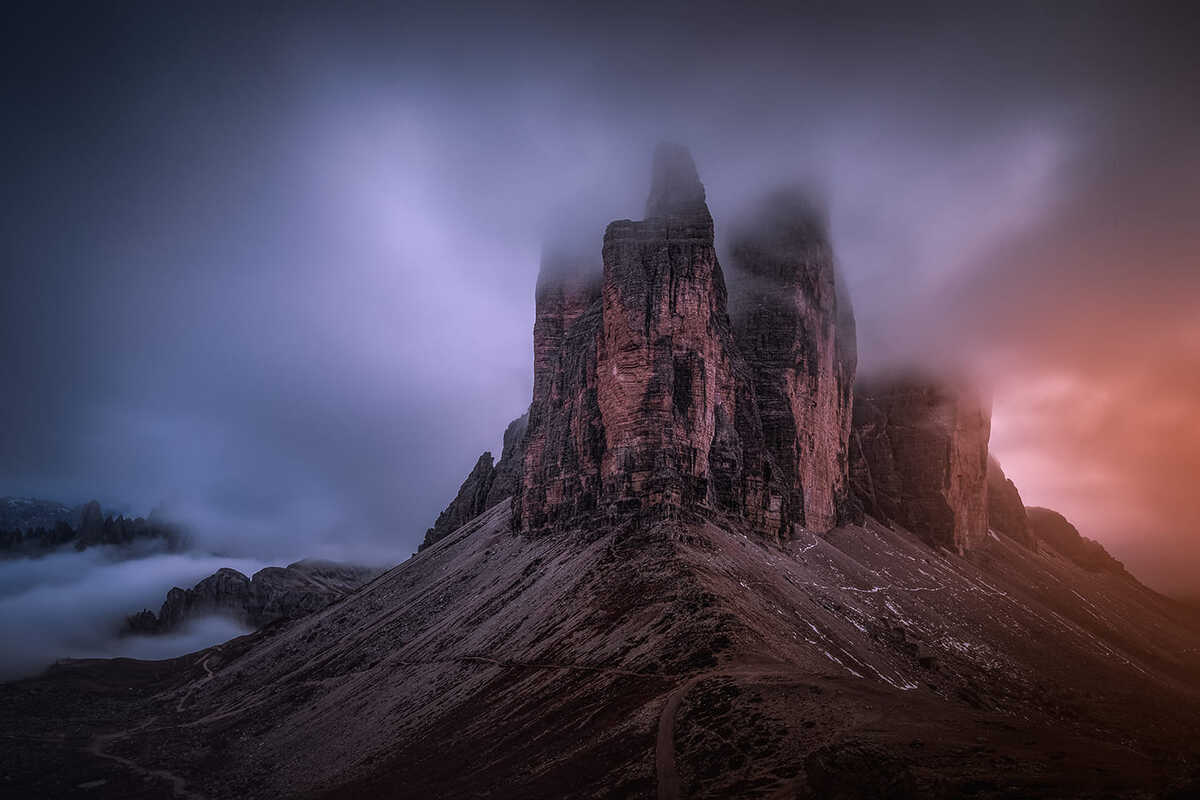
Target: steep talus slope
(685, 659)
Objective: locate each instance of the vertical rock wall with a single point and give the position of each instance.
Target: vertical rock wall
(919, 459)
(564, 440)
(680, 422)
(796, 331)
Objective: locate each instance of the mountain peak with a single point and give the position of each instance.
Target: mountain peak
(675, 186)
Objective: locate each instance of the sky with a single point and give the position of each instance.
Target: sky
(273, 267)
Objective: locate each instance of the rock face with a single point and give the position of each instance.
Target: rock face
(485, 486)
(565, 441)
(680, 423)
(1054, 529)
(796, 332)
(642, 402)
(1006, 512)
(272, 594)
(919, 458)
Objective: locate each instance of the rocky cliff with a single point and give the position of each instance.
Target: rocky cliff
(1053, 528)
(485, 486)
(564, 441)
(919, 458)
(1006, 513)
(273, 593)
(681, 426)
(796, 332)
(644, 399)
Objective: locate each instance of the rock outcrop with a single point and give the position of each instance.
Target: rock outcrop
(507, 475)
(1006, 513)
(1053, 528)
(273, 593)
(795, 329)
(642, 402)
(485, 486)
(919, 459)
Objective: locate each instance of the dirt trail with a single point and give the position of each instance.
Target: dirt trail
(197, 684)
(178, 784)
(664, 748)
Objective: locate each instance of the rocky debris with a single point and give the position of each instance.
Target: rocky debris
(273, 593)
(486, 485)
(1053, 528)
(919, 458)
(641, 400)
(1006, 512)
(94, 529)
(795, 328)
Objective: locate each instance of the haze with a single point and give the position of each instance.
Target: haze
(276, 270)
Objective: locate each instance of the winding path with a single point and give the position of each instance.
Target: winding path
(98, 745)
(178, 784)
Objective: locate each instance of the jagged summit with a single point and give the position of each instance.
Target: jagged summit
(675, 187)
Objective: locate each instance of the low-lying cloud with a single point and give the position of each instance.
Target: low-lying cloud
(73, 605)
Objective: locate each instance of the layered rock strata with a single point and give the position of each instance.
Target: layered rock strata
(919, 459)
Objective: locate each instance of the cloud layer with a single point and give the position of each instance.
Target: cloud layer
(73, 605)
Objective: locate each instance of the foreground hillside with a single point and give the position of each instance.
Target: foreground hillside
(677, 660)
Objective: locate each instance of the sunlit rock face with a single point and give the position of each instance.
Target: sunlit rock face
(919, 458)
(1006, 512)
(795, 329)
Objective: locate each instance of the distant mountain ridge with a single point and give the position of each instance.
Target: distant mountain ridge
(91, 528)
(26, 513)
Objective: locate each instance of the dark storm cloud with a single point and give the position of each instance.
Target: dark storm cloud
(276, 268)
